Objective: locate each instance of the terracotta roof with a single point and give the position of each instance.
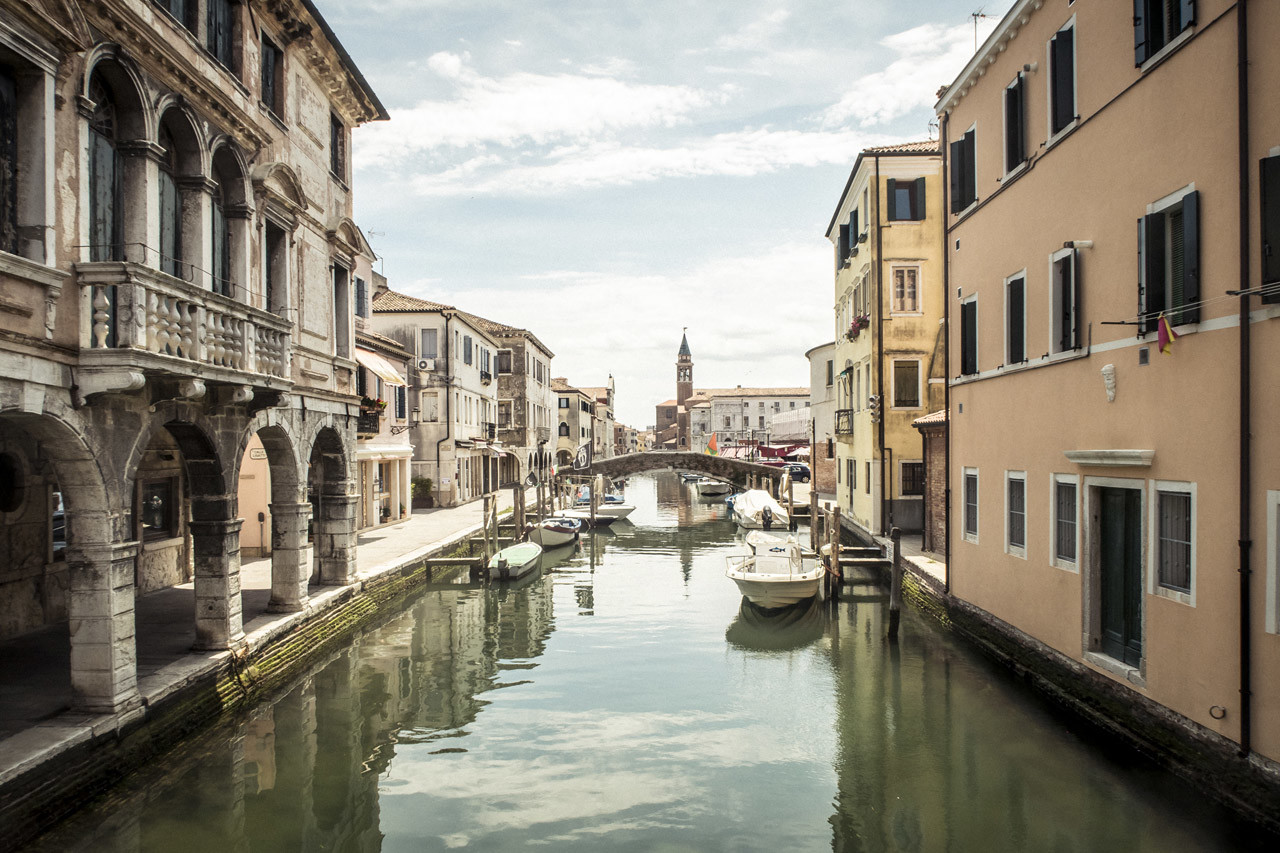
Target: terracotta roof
(390, 301)
(667, 403)
(391, 344)
(924, 146)
(502, 330)
(939, 417)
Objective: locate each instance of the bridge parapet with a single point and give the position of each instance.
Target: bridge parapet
(735, 471)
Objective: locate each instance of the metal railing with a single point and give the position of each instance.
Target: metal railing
(844, 421)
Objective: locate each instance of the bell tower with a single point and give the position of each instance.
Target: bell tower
(684, 371)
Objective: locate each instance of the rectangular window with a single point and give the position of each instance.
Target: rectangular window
(1270, 192)
(971, 505)
(157, 508)
(1016, 507)
(183, 10)
(842, 246)
(912, 479)
(1158, 22)
(8, 161)
(337, 148)
(564, 402)
(272, 76)
(362, 382)
(504, 414)
(1064, 273)
(726, 422)
(341, 311)
(866, 486)
(427, 343)
(906, 200)
(362, 297)
(1015, 124)
(402, 402)
(762, 422)
(275, 268)
(504, 361)
(831, 373)
(466, 349)
(1173, 529)
(1016, 320)
(964, 180)
(1062, 79)
(1169, 249)
(969, 337)
(219, 32)
(906, 384)
(1064, 521)
(906, 290)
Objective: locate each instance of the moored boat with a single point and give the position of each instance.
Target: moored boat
(514, 561)
(557, 530)
(756, 509)
(605, 514)
(709, 488)
(776, 574)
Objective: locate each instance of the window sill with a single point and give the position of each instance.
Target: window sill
(1131, 674)
(275, 119)
(1014, 173)
(1020, 553)
(1006, 370)
(1060, 135)
(959, 215)
(1065, 565)
(1165, 52)
(1175, 595)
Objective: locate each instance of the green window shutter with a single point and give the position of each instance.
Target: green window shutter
(917, 201)
(1270, 191)
(892, 191)
(1191, 256)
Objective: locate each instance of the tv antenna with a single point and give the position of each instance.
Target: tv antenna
(978, 15)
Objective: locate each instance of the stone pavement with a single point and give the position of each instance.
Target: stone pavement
(35, 683)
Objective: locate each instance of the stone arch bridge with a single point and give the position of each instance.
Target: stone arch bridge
(735, 471)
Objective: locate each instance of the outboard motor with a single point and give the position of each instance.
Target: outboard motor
(766, 517)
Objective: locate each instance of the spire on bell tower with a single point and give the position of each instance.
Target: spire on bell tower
(684, 370)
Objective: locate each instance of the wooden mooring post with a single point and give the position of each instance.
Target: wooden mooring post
(833, 546)
(895, 583)
(814, 520)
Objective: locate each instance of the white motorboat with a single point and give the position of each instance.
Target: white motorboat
(709, 488)
(756, 509)
(605, 513)
(514, 561)
(558, 530)
(776, 573)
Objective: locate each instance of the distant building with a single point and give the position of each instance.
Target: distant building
(822, 402)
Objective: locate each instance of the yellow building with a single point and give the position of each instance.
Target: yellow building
(887, 234)
(1113, 506)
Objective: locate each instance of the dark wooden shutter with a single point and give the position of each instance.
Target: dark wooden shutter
(362, 296)
(970, 168)
(1140, 52)
(917, 200)
(1270, 190)
(968, 338)
(892, 191)
(1017, 321)
(170, 225)
(1191, 256)
(1153, 270)
(1187, 15)
(1077, 305)
(1013, 130)
(842, 246)
(956, 166)
(854, 231)
(1064, 100)
(218, 31)
(8, 162)
(221, 265)
(401, 402)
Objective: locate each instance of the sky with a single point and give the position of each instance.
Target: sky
(606, 173)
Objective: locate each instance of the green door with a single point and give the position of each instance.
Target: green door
(1121, 574)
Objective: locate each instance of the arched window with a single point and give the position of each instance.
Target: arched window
(170, 206)
(564, 430)
(220, 263)
(106, 173)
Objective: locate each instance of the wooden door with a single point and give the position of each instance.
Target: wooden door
(1120, 567)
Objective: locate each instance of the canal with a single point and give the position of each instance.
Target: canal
(626, 700)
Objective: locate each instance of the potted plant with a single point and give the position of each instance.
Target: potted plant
(372, 405)
(859, 323)
(421, 488)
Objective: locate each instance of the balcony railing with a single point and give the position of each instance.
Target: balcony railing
(485, 377)
(844, 421)
(490, 431)
(144, 319)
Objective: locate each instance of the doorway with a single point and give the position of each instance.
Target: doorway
(1120, 573)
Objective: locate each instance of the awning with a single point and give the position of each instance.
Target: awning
(384, 369)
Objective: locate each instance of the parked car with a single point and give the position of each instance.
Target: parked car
(799, 471)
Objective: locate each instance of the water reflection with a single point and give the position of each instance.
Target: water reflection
(494, 718)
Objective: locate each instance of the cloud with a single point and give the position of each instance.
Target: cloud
(755, 35)
(928, 56)
(524, 108)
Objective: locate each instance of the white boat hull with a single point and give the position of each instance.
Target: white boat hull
(780, 591)
(612, 512)
(550, 537)
(776, 573)
(713, 488)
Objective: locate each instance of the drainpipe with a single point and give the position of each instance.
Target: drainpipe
(448, 399)
(946, 356)
(1246, 485)
(884, 402)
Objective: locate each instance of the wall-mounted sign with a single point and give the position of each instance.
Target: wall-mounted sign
(258, 453)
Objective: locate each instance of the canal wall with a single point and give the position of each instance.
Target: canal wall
(1250, 786)
(69, 765)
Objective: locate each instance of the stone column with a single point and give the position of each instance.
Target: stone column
(216, 547)
(335, 539)
(395, 489)
(104, 671)
(290, 562)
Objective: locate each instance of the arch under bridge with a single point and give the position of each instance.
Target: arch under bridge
(736, 471)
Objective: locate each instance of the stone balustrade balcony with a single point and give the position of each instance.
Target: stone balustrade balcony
(139, 324)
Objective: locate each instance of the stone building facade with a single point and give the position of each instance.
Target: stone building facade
(176, 249)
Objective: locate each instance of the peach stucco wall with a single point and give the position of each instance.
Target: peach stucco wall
(1141, 136)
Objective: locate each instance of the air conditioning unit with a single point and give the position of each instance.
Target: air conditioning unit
(427, 364)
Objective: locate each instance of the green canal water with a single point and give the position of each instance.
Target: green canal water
(626, 699)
